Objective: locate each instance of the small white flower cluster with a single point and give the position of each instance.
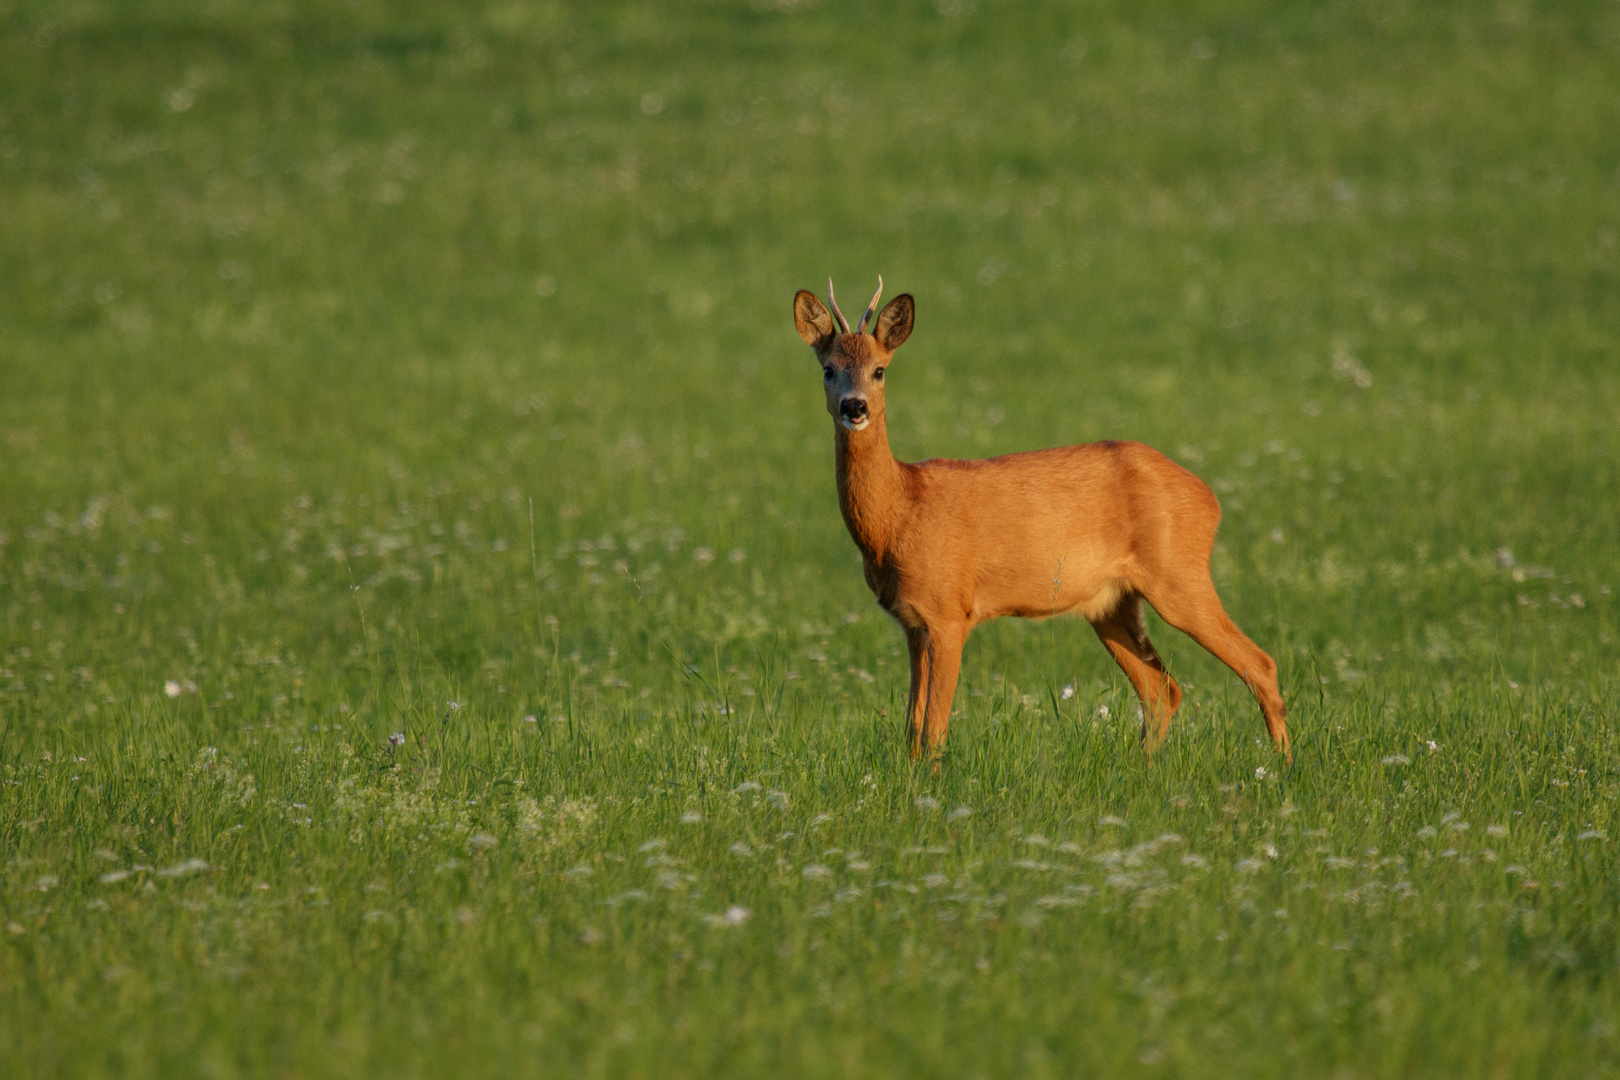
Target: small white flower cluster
(735, 915)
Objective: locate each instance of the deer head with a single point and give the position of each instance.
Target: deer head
(853, 361)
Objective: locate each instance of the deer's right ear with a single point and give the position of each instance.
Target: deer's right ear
(811, 319)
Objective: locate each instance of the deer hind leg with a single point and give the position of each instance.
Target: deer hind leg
(1125, 635)
(942, 664)
(917, 702)
(1195, 610)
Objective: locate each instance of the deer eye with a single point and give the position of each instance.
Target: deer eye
(826, 374)
(877, 374)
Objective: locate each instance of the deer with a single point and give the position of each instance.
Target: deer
(1095, 530)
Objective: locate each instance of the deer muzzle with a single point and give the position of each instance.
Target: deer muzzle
(852, 412)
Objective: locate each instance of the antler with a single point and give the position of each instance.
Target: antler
(872, 307)
(839, 315)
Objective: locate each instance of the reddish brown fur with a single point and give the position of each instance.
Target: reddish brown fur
(1092, 530)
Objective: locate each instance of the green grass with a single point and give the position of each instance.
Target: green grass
(357, 359)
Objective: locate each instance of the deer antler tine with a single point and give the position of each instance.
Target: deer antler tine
(839, 315)
(872, 307)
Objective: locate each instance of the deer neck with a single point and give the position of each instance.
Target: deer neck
(871, 487)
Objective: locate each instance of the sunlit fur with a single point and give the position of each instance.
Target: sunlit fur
(1091, 530)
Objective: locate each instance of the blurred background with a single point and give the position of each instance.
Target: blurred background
(306, 304)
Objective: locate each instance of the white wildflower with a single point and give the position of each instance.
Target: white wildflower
(674, 880)
(171, 688)
(551, 823)
(959, 813)
(736, 915)
(745, 787)
(181, 869)
(1068, 692)
(927, 802)
(1395, 759)
(691, 817)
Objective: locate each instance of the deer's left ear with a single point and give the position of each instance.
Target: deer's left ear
(811, 319)
(894, 322)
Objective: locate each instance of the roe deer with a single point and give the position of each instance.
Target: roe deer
(1093, 529)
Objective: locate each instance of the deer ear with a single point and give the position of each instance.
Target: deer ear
(811, 319)
(894, 323)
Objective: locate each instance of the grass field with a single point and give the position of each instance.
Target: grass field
(429, 369)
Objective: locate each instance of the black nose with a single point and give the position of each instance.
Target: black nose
(852, 409)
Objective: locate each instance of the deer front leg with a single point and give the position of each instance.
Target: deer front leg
(917, 703)
(944, 663)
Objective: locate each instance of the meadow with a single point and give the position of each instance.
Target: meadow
(429, 645)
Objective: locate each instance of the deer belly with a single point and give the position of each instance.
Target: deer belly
(1034, 585)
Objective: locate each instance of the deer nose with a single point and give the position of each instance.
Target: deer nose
(852, 409)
